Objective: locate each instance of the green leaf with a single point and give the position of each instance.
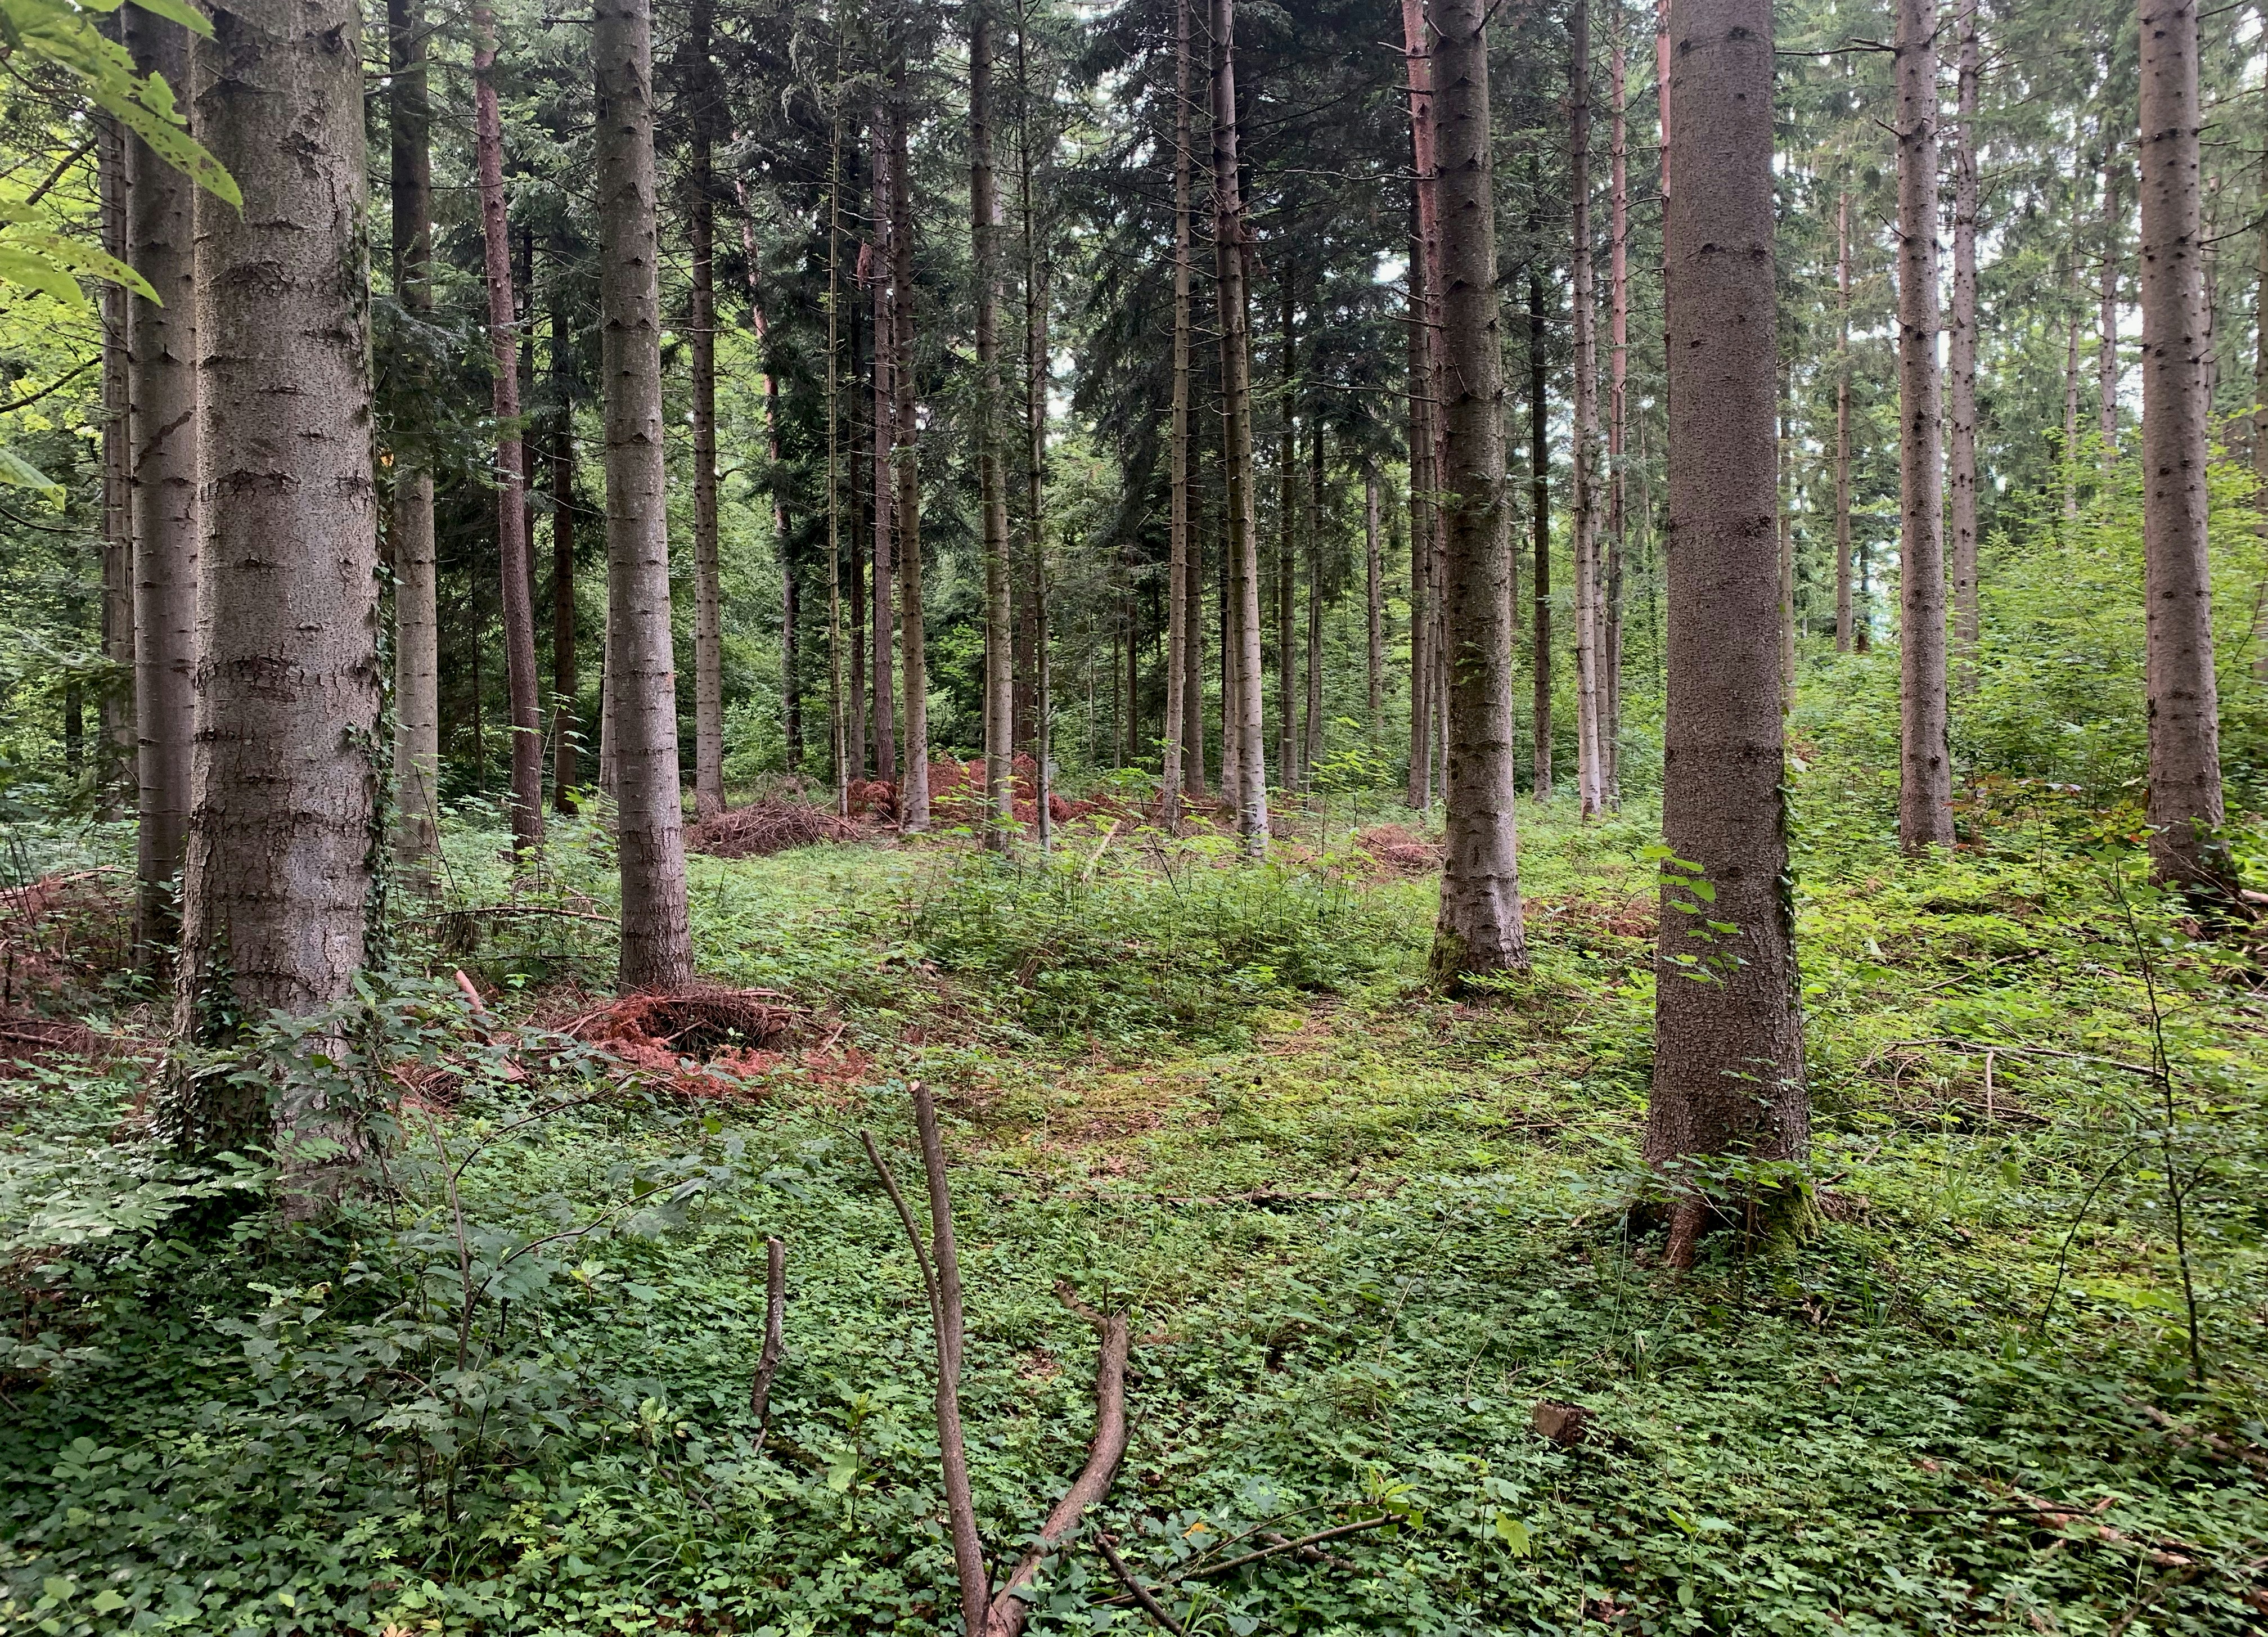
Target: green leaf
(34, 271)
(17, 472)
(1514, 1534)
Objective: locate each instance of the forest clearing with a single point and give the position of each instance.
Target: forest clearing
(992, 816)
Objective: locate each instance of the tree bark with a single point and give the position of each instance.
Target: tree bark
(1960, 351)
(1286, 577)
(1230, 231)
(838, 745)
(1584, 524)
(1425, 404)
(656, 945)
(416, 625)
(1539, 511)
(1610, 633)
(906, 461)
(992, 495)
(2260, 416)
(2185, 715)
(1373, 606)
(1311, 747)
(121, 736)
(1479, 930)
(566, 683)
(1728, 1051)
(1846, 638)
(2072, 308)
(1036, 296)
(708, 596)
(2106, 355)
(161, 435)
(884, 599)
(790, 632)
(511, 475)
(1181, 576)
(1926, 756)
(277, 876)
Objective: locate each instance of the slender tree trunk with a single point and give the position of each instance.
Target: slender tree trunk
(1584, 525)
(1846, 632)
(1479, 930)
(161, 435)
(1036, 296)
(2071, 393)
(2184, 714)
(511, 475)
(1728, 1051)
(121, 757)
(1311, 749)
(2260, 416)
(708, 596)
(2106, 357)
(860, 711)
(884, 599)
(992, 495)
(417, 625)
(656, 947)
(838, 741)
(566, 683)
(1425, 405)
(277, 880)
(1230, 233)
(1960, 352)
(1925, 784)
(1286, 577)
(1610, 634)
(1373, 606)
(906, 463)
(1180, 573)
(791, 634)
(1539, 511)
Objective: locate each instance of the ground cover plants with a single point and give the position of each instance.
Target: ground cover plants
(1370, 1241)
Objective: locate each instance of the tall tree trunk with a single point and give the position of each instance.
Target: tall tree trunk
(1311, 749)
(1036, 296)
(1610, 632)
(992, 494)
(656, 945)
(791, 633)
(2260, 417)
(521, 687)
(838, 740)
(1230, 233)
(1728, 1051)
(1424, 404)
(2071, 392)
(1479, 930)
(566, 683)
(1584, 524)
(1846, 632)
(161, 434)
(906, 461)
(708, 596)
(416, 622)
(2184, 713)
(1960, 351)
(858, 711)
(1786, 508)
(276, 880)
(2106, 355)
(884, 601)
(1926, 757)
(1181, 575)
(120, 769)
(1539, 511)
(1373, 606)
(1286, 577)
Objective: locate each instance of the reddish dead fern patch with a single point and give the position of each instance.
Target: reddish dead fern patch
(770, 826)
(701, 1042)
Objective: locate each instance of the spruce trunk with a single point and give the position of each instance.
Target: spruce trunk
(905, 462)
(992, 493)
(1845, 605)
(656, 945)
(1960, 352)
(416, 623)
(1539, 508)
(1479, 930)
(708, 594)
(1180, 574)
(1229, 236)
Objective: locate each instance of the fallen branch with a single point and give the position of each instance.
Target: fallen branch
(1973, 1046)
(514, 909)
(1135, 1589)
(1307, 1546)
(767, 1362)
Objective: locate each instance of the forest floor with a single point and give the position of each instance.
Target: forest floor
(1365, 1234)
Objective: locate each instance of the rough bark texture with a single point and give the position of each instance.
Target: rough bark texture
(510, 473)
(1425, 407)
(1229, 234)
(276, 879)
(161, 436)
(906, 463)
(657, 948)
(991, 483)
(1539, 514)
(1584, 522)
(1479, 929)
(1960, 352)
(2185, 800)
(1728, 1051)
(708, 594)
(881, 653)
(1845, 606)
(416, 632)
(1926, 756)
(1181, 576)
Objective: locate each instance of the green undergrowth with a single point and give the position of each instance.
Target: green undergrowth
(1363, 1232)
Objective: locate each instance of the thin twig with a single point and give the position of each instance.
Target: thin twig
(952, 1449)
(1140, 1593)
(767, 1362)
